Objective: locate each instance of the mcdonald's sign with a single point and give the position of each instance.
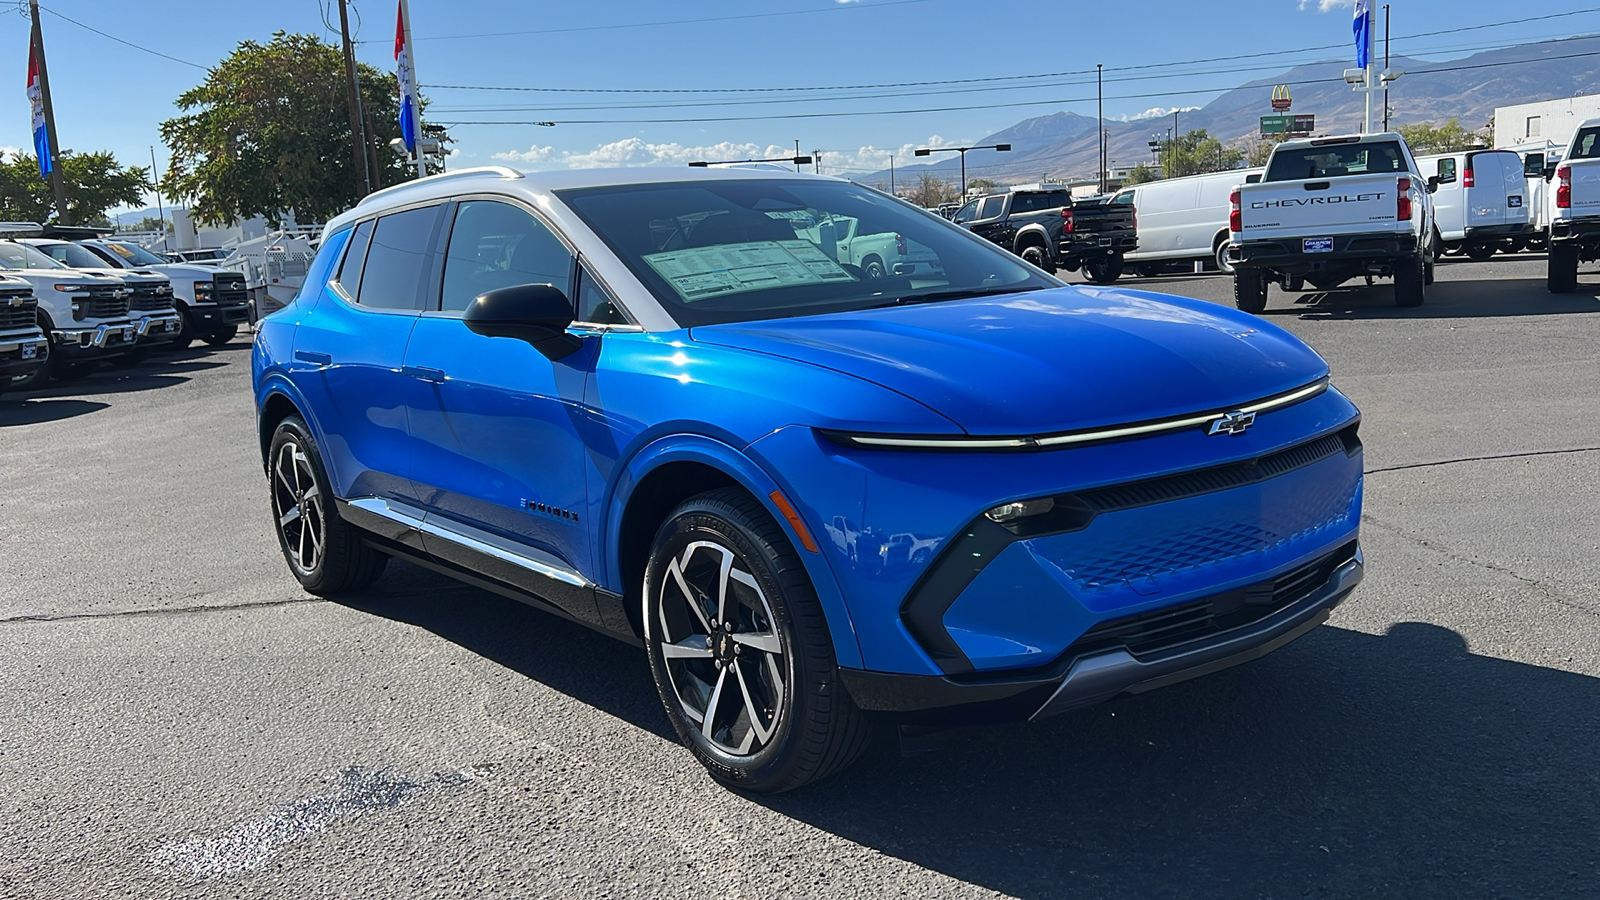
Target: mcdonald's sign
(1280, 97)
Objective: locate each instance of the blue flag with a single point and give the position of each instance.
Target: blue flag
(1363, 29)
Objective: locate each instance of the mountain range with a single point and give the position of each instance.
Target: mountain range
(1062, 145)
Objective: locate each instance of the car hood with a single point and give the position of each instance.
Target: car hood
(65, 276)
(185, 271)
(1045, 361)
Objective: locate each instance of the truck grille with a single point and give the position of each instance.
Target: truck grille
(19, 316)
(1163, 629)
(104, 302)
(150, 297)
(230, 289)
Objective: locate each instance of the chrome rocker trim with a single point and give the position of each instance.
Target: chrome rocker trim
(491, 545)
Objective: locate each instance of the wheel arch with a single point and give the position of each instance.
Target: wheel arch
(279, 401)
(1031, 236)
(671, 470)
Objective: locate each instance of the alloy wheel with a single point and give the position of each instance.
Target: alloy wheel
(721, 649)
(297, 502)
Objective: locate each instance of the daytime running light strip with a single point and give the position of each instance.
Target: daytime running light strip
(1084, 437)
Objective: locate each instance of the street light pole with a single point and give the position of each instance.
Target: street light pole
(1100, 121)
(999, 148)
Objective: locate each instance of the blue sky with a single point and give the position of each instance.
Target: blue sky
(109, 96)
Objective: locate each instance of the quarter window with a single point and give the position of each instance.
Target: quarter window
(495, 245)
(595, 303)
(392, 277)
(349, 276)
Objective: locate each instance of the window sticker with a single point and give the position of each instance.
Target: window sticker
(703, 272)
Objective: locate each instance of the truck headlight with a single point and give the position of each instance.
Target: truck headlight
(202, 291)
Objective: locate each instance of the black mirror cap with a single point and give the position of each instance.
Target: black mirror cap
(536, 313)
(1433, 183)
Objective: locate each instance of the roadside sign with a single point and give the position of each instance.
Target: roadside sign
(1288, 124)
(1280, 97)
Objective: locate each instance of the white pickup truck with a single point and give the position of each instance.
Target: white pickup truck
(1574, 211)
(1330, 209)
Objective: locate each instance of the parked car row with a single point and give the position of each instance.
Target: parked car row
(68, 305)
(1050, 228)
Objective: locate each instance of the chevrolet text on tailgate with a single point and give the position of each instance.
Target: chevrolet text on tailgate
(1328, 210)
(1575, 214)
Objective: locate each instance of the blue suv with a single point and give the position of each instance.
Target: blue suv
(668, 405)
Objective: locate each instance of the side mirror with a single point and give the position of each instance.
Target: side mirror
(1433, 183)
(536, 313)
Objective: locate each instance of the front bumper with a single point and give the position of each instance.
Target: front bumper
(215, 316)
(1495, 232)
(1095, 677)
(157, 326)
(21, 354)
(89, 341)
(1350, 253)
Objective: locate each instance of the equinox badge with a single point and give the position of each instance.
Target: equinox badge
(1236, 422)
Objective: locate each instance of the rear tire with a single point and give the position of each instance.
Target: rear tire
(1034, 254)
(759, 703)
(1249, 290)
(871, 267)
(1104, 270)
(1409, 279)
(325, 553)
(1561, 270)
(1480, 252)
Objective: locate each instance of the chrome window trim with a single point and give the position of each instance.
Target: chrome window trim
(1065, 439)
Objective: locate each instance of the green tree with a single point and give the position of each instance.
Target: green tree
(149, 223)
(1139, 175)
(1257, 150)
(982, 186)
(1424, 138)
(928, 191)
(268, 131)
(1195, 152)
(95, 182)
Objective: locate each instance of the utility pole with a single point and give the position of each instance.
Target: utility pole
(891, 173)
(160, 209)
(1100, 121)
(797, 154)
(1386, 66)
(57, 186)
(357, 144)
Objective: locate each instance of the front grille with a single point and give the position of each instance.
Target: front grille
(21, 315)
(1164, 629)
(1219, 478)
(104, 303)
(229, 288)
(150, 297)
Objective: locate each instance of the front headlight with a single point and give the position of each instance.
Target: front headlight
(202, 291)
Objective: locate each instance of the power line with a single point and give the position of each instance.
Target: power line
(700, 21)
(120, 40)
(1051, 102)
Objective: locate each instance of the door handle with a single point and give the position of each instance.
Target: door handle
(423, 372)
(319, 359)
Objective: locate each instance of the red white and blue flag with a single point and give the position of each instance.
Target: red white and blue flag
(402, 60)
(41, 137)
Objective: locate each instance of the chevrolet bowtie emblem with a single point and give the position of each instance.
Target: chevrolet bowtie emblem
(1236, 422)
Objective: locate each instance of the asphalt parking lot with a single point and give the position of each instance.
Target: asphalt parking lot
(180, 720)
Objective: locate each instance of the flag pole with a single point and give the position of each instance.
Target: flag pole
(53, 150)
(416, 103)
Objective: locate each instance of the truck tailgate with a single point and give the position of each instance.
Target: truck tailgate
(1349, 204)
(1585, 187)
(1095, 217)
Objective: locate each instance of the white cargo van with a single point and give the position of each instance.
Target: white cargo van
(1183, 219)
(1481, 200)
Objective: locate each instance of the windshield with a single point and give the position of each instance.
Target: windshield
(735, 251)
(21, 256)
(75, 256)
(1334, 160)
(135, 254)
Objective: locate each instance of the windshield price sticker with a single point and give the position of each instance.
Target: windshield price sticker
(1318, 245)
(704, 272)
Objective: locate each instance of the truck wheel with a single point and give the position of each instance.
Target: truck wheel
(1249, 290)
(1220, 251)
(227, 333)
(740, 651)
(1561, 270)
(1480, 252)
(1104, 270)
(871, 267)
(1033, 253)
(1408, 282)
(324, 552)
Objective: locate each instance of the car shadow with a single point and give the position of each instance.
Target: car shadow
(16, 411)
(590, 667)
(1445, 300)
(1345, 764)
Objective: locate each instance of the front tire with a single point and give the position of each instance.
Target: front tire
(1561, 270)
(1249, 290)
(1220, 252)
(740, 650)
(227, 333)
(325, 553)
(1103, 270)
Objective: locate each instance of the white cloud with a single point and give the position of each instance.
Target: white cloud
(1326, 5)
(639, 152)
(1155, 111)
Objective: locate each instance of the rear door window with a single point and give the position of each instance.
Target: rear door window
(990, 207)
(392, 277)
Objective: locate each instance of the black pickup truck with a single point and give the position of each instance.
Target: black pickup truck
(1050, 229)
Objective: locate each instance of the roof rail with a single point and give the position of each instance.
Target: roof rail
(501, 171)
(21, 229)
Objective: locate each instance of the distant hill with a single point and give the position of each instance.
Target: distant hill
(1062, 145)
